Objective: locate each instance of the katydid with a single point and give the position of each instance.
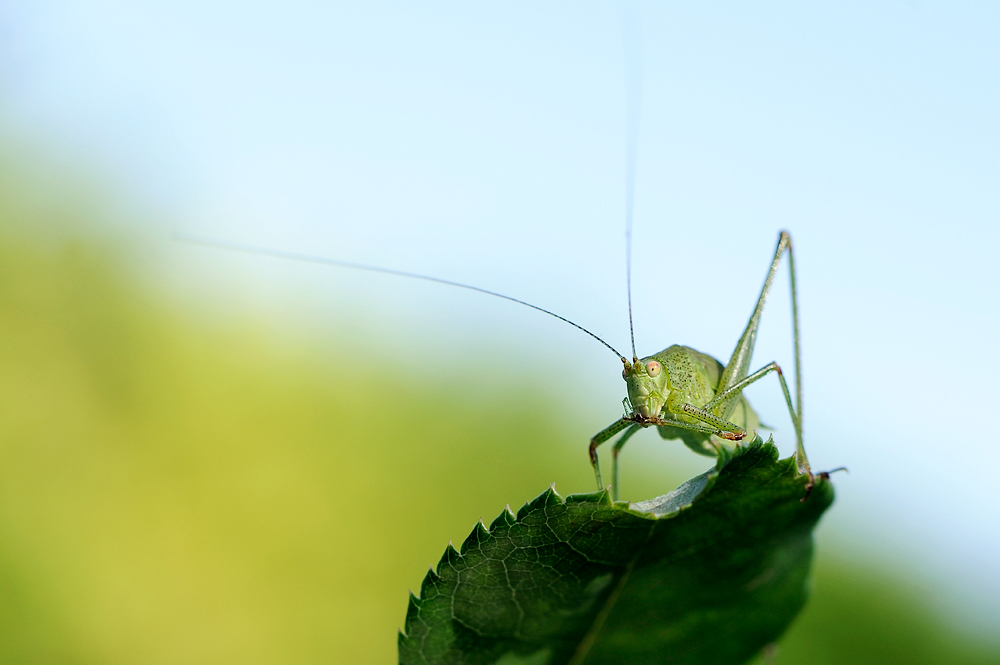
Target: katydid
(686, 394)
(690, 396)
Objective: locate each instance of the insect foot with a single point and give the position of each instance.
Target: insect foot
(812, 483)
(823, 475)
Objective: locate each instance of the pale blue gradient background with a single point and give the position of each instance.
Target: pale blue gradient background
(487, 145)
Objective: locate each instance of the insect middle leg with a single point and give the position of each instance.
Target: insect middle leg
(725, 429)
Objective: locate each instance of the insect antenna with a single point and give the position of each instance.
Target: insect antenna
(628, 280)
(632, 43)
(308, 258)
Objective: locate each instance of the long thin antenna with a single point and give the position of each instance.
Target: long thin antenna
(632, 43)
(628, 281)
(295, 256)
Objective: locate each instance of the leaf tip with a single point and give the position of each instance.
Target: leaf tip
(506, 518)
(412, 610)
(450, 557)
(431, 579)
(547, 498)
(478, 536)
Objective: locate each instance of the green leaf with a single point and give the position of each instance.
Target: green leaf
(709, 573)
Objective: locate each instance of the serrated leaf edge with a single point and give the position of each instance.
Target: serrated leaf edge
(550, 497)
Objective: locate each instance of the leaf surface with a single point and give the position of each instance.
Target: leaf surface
(709, 573)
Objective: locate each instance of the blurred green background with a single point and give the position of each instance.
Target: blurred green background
(180, 487)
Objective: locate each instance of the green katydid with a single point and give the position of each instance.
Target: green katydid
(691, 396)
(686, 394)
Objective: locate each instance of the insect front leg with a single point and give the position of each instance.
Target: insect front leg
(600, 438)
(619, 444)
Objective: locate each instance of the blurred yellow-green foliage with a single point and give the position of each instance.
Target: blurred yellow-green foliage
(180, 491)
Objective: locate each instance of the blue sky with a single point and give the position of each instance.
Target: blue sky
(488, 144)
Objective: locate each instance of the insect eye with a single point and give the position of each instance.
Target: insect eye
(625, 374)
(653, 367)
